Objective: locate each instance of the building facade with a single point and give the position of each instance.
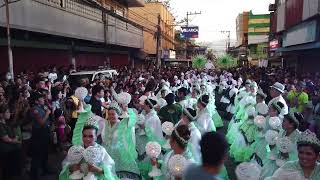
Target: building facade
(148, 16)
(242, 29)
(65, 32)
(297, 31)
(258, 36)
(241, 49)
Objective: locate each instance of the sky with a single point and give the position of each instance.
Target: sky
(216, 16)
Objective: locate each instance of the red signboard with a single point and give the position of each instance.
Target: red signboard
(274, 44)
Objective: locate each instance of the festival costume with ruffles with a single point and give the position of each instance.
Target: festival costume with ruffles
(271, 165)
(293, 171)
(204, 121)
(249, 130)
(242, 136)
(166, 175)
(107, 165)
(237, 120)
(152, 132)
(260, 146)
(217, 120)
(119, 141)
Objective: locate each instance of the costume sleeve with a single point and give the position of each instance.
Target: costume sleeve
(64, 174)
(132, 118)
(77, 132)
(285, 174)
(195, 147)
(126, 139)
(203, 123)
(108, 162)
(107, 174)
(153, 130)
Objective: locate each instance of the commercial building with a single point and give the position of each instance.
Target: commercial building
(258, 38)
(241, 48)
(148, 17)
(296, 34)
(65, 32)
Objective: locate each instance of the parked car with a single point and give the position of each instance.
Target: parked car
(74, 79)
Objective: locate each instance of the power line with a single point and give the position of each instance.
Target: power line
(144, 20)
(143, 9)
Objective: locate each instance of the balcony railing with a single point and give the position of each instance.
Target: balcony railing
(76, 7)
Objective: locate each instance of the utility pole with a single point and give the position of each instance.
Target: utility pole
(186, 41)
(158, 42)
(9, 39)
(228, 40)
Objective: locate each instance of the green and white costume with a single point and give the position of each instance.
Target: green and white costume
(271, 165)
(293, 171)
(119, 141)
(107, 165)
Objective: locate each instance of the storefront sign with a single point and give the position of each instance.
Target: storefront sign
(172, 54)
(190, 32)
(274, 44)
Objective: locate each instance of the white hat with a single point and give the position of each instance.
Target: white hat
(262, 108)
(123, 98)
(175, 77)
(278, 86)
(248, 171)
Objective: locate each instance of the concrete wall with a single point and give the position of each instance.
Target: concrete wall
(310, 8)
(147, 16)
(74, 19)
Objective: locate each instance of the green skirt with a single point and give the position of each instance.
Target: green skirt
(249, 130)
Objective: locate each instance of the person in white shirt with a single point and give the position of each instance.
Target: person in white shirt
(276, 93)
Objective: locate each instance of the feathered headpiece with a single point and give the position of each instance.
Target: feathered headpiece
(226, 61)
(199, 62)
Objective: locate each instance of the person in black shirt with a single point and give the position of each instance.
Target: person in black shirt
(95, 101)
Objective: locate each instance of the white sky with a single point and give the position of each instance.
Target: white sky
(217, 15)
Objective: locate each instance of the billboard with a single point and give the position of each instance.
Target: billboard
(189, 32)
